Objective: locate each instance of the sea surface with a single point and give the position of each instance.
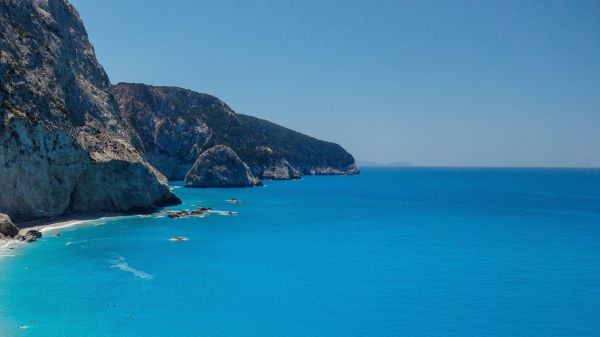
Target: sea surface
(392, 252)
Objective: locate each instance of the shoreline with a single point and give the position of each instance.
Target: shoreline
(64, 221)
(52, 224)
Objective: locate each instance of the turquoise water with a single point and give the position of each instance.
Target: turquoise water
(405, 252)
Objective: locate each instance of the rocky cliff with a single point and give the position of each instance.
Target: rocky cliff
(7, 228)
(220, 166)
(177, 125)
(63, 145)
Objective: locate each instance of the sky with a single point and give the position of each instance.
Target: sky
(432, 83)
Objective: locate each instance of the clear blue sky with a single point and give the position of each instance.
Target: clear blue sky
(456, 83)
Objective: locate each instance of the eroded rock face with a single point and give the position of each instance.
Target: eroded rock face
(30, 236)
(7, 228)
(63, 145)
(220, 166)
(177, 125)
(281, 170)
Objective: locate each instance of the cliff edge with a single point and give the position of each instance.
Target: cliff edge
(177, 125)
(64, 147)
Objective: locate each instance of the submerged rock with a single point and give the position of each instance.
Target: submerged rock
(64, 147)
(7, 228)
(220, 166)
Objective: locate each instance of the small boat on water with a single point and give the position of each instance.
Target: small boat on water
(57, 234)
(233, 201)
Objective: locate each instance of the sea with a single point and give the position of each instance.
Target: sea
(390, 252)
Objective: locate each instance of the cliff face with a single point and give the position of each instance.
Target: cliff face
(63, 145)
(220, 166)
(177, 125)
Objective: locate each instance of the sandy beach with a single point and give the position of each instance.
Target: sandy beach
(61, 222)
(51, 225)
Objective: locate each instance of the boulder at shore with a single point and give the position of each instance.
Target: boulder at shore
(30, 236)
(220, 166)
(7, 228)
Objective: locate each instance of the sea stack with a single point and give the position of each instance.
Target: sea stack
(64, 147)
(220, 166)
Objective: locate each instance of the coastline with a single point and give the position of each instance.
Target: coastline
(53, 224)
(64, 221)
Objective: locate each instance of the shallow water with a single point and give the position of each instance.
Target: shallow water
(392, 252)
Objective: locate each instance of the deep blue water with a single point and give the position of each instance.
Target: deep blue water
(392, 252)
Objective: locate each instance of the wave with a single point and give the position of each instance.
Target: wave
(84, 241)
(227, 213)
(179, 238)
(5, 250)
(121, 263)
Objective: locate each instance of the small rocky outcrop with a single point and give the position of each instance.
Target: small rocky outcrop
(64, 147)
(29, 236)
(7, 228)
(182, 214)
(9, 231)
(220, 166)
(176, 125)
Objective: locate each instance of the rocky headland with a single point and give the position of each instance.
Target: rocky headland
(177, 125)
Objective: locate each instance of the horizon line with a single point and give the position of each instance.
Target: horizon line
(383, 165)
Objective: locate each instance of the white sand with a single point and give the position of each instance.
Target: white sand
(63, 222)
(50, 225)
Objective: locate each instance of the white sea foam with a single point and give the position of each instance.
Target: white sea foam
(179, 238)
(8, 243)
(227, 213)
(121, 263)
(4, 248)
(83, 241)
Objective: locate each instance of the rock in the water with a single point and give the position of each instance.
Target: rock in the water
(182, 214)
(64, 147)
(176, 125)
(7, 228)
(220, 166)
(29, 236)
